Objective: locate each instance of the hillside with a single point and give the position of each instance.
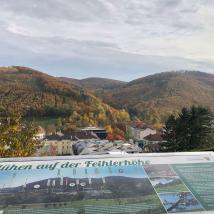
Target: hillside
(35, 94)
(154, 97)
(150, 98)
(95, 84)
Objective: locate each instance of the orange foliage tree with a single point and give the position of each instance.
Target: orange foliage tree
(116, 134)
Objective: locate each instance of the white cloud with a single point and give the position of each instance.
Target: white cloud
(96, 29)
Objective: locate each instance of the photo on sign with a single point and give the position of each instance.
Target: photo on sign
(180, 202)
(85, 189)
(158, 170)
(168, 184)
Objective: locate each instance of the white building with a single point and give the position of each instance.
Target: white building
(141, 133)
(40, 135)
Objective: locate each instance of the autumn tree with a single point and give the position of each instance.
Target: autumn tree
(16, 139)
(116, 134)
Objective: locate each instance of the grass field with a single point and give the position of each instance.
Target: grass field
(131, 205)
(172, 188)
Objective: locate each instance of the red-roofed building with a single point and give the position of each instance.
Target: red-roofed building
(154, 137)
(152, 142)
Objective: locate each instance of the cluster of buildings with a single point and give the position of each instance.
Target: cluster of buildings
(146, 137)
(101, 147)
(92, 140)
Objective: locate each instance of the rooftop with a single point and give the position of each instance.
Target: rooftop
(154, 137)
(77, 135)
(92, 128)
(140, 125)
(104, 147)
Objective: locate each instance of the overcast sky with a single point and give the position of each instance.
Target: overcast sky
(121, 39)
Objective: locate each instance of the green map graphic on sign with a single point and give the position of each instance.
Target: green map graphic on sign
(199, 178)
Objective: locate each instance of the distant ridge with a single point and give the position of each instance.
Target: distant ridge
(154, 97)
(95, 84)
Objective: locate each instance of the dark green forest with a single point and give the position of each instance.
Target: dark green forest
(191, 130)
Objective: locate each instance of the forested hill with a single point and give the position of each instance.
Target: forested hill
(36, 94)
(150, 98)
(154, 97)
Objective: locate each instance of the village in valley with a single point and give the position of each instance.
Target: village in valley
(96, 141)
